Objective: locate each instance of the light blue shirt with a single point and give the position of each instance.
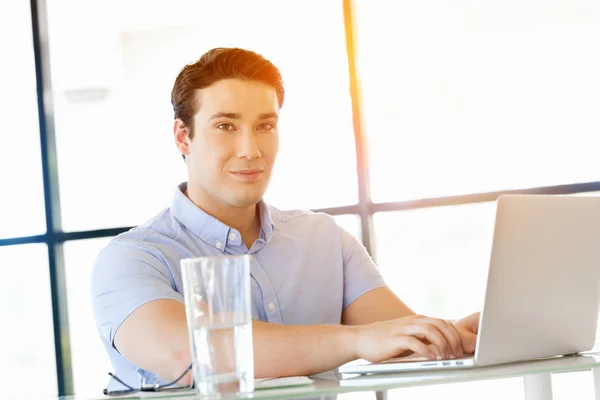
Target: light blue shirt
(305, 269)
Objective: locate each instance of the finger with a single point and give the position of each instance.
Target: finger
(431, 333)
(474, 322)
(452, 342)
(458, 350)
(417, 346)
(450, 334)
(470, 323)
(469, 341)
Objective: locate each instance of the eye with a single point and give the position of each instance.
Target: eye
(267, 126)
(225, 127)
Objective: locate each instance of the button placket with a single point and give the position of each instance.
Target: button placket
(269, 296)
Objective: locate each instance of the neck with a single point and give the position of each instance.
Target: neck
(245, 220)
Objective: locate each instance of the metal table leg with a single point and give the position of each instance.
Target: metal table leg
(596, 375)
(538, 386)
(381, 395)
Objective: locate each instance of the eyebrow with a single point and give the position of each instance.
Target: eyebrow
(238, 116)
(268, 115)
(226, 115)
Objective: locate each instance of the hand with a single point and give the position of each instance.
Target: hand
(468, 327)
(383, 340)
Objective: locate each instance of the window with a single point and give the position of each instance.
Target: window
(88, 357)
(22, 203)
(118, 164)
(463, 97)
(436, 259)
(27, 337)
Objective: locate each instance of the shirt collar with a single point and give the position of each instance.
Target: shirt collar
(208, 228)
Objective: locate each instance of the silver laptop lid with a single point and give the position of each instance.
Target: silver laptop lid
(542, 294)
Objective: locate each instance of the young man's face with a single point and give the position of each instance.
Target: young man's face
(235, 141)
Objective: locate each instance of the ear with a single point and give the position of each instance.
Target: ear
(181, 136)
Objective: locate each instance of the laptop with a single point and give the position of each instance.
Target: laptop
(543, 286)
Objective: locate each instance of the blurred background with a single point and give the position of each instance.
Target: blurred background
(403, 119)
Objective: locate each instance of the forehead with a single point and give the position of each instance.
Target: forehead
(237, 95)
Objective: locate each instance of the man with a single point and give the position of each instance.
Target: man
(318, 300)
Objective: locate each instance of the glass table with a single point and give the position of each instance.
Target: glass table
(537, 377)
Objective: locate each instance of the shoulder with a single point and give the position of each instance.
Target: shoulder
(301, 219)
(141, 243)
(164, 224)
(309, 227)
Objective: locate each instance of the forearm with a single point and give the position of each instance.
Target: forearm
(161, 326)
(285, 350)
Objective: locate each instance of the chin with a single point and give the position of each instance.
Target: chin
(243, 197)
(244, 201)
(244, 204)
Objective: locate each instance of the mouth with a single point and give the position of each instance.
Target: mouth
(248, 175)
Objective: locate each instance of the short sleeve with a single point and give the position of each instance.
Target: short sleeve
(360, 272)
(127, 275)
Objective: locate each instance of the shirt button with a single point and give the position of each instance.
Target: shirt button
(219, 244)
(232, 236)
(271, 306)
(251, 258)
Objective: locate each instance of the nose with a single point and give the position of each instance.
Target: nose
(247, 146)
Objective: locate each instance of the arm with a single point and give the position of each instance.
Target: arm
(164, 325)
(279, 350)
